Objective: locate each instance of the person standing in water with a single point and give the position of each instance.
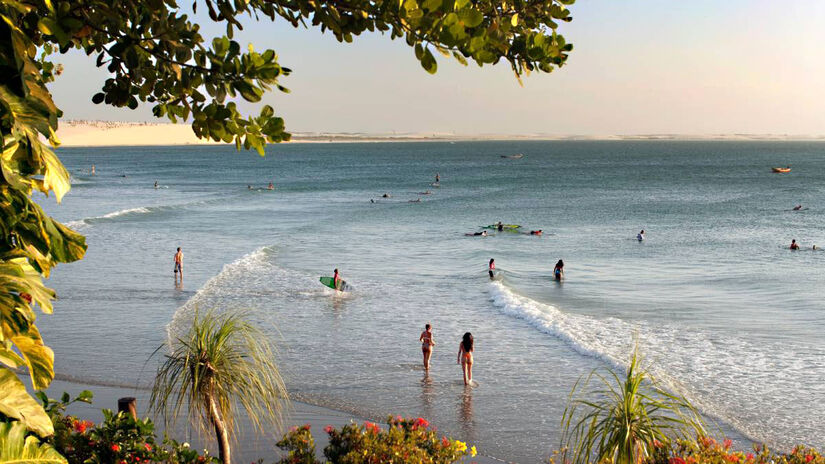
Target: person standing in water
(794, 245)
(499, 226)
(427, 344)
(465, 357)
(641, 235)
(437, 178)
(558, 271)
(156, 185)
(179, 265)
(271, 186)
(492, 268)
(93, 170)
(336, 280)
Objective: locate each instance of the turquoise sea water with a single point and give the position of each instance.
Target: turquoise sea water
(720, 307)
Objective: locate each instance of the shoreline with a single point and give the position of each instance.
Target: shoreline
(249, 446)
(81, 133)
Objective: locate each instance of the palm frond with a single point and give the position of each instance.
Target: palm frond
(227, 359)
(620, 419)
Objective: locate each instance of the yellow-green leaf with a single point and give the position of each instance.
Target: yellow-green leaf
(17, 447)
(16, 403)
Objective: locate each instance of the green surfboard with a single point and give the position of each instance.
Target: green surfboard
(329, 282)
(503, 226)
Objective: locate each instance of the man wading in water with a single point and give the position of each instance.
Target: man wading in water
(179, 266)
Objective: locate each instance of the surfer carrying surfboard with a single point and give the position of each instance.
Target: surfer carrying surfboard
(336, 280)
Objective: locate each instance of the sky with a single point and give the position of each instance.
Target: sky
(638, 67)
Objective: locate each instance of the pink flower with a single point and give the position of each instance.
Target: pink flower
(147, 446)
(445, 442)
(328, 429)
(676, 460)
(657, 443)
(727, 443)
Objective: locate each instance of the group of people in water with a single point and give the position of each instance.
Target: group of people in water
(465, 352)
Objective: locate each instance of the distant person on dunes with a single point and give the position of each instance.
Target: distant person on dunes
(794, 245)
(427, 344)
(558, 271)
(465, 357)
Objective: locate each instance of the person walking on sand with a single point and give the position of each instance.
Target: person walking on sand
(427, 344)
(492, 268)
(465, 357)
(179, 265)
(558, 271)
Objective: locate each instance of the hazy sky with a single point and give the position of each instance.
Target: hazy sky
(638, 67)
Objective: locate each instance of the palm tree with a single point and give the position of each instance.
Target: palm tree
(221, 362)
(626, 418)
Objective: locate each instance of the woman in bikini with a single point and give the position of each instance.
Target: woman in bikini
(465, 357)
(427, 344)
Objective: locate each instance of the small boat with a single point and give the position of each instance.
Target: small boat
(781, 170)
(515, 157)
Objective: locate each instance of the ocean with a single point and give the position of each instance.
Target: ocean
(721, 309)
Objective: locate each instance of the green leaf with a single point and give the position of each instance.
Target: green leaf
(428, 62)
(470, 17)
(18, 447)
(17, 404)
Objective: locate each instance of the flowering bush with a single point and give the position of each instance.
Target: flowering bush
(119, 439)
(706, 450)
(404, 440)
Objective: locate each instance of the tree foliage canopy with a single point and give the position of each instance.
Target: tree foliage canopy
(156, 54)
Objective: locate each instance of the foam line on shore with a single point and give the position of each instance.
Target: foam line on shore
(685, 359)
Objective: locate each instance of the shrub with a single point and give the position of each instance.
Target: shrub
(119, 439)
(404, 440)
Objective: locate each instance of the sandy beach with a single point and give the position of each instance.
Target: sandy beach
(250, 447)
(82, 133)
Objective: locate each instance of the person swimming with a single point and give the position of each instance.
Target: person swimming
(386, 195)
(640, 236)
(465, 357)
(427, 344)
(271, 186)
(492, 268)
(797, 207)
(794, 245)
(558, 271)
(483, 233)
(535, 232)
(417, 200)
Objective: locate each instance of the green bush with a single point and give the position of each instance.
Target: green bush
(119, 439)
(404, 441)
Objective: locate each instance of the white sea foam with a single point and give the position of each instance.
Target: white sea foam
(80, 223)
(743, 383)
